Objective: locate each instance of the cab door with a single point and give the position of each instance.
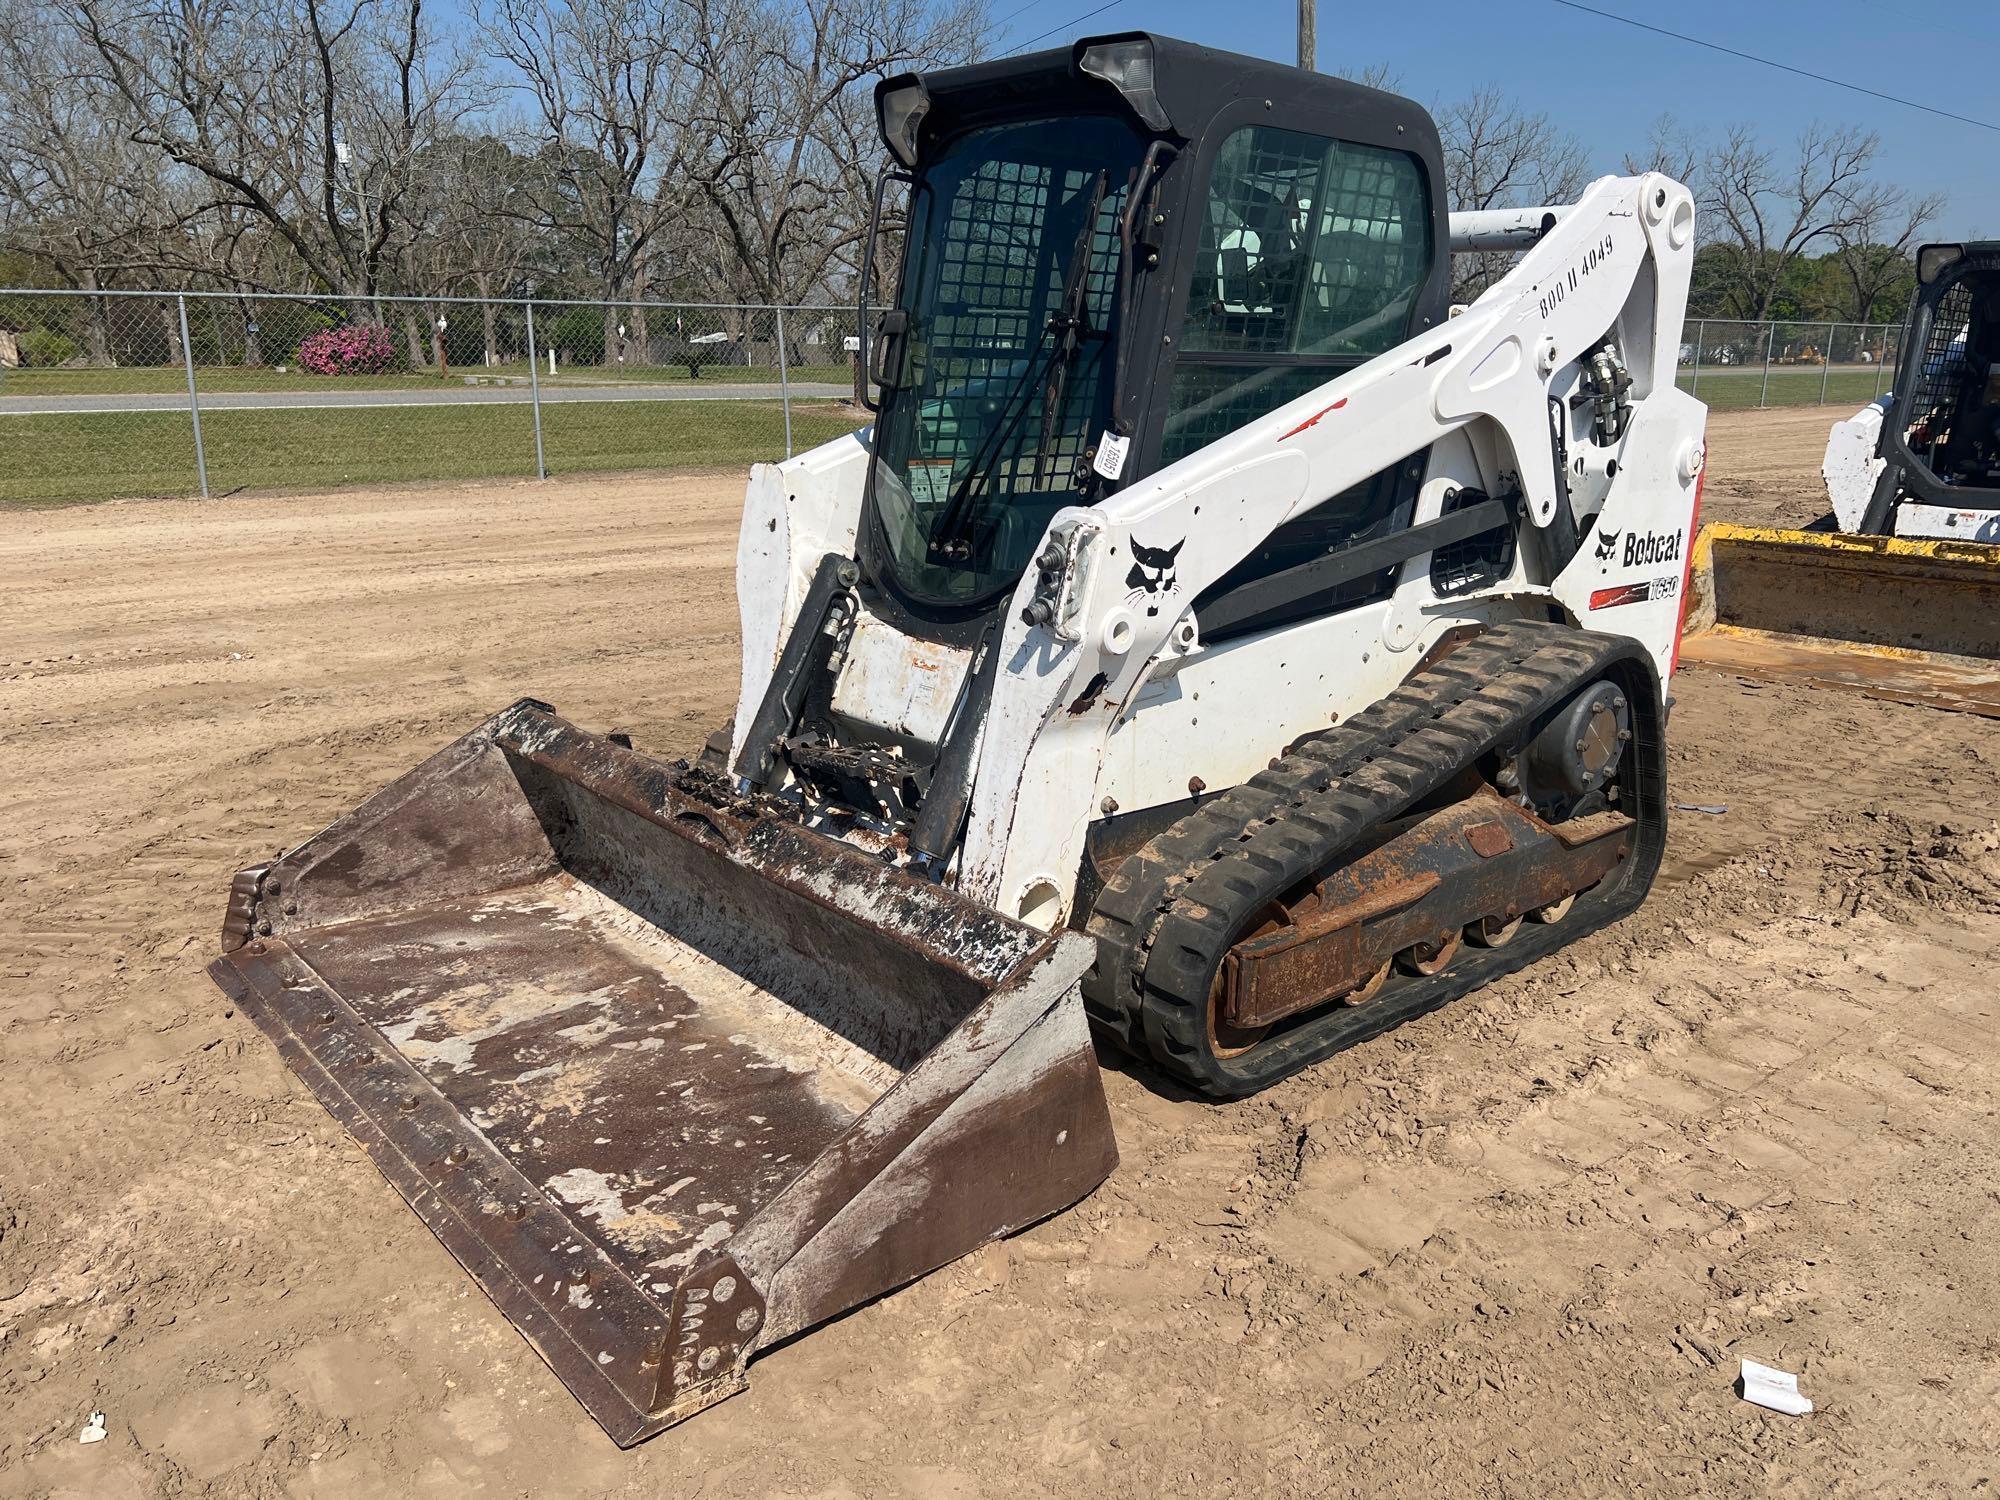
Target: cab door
(1309, 253)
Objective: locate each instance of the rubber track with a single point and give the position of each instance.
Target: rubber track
(1167, 917)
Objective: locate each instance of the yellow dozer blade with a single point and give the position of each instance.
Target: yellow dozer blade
(671, 1075)
(1915, 620)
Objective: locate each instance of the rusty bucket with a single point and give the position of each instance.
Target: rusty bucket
(672, 1076)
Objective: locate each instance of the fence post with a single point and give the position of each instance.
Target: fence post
(194, 400)
(1700, 333)
(1763, 395)
(784, 378)
(1826, 364)
(535, 395)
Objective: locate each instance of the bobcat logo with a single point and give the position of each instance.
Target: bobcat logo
(1607, 544)
(1153, 575)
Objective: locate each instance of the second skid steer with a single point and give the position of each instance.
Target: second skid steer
(1213, 645)
(1897, 592)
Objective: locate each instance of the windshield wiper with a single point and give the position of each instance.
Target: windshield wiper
(1071, 322)
(948, 539)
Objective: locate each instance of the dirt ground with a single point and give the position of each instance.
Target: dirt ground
(1764, 465)
(1516, 1248)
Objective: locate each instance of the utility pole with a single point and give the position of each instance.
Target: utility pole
(1308, 15)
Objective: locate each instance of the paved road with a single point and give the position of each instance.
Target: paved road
(443, 395)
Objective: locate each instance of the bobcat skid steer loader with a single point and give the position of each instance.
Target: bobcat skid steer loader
(1212, 644)
(1898, 593)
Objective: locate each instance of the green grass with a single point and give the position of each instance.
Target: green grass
(590, 437)
(112, 456)
(1737, 390)
(172, 379)
(118, 455)
(721, 374)
(145, 380)
(56, 460)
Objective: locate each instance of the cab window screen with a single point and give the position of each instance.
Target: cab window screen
(1312, 255)
(1308, 246)
(984, 440)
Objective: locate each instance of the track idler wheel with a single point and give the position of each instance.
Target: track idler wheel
(1225, 1037)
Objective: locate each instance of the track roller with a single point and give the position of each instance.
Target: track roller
(1429, 958)
(1554, 912)
(1494, 932)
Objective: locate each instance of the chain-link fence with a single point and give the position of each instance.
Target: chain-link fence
(121, 395)
(1734, 365)
(116, 395)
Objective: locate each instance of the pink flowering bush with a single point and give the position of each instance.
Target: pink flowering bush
(352, 349)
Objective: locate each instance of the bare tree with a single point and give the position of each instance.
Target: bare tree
(1498, 155)
(73, 191)
(705, 148)
(1378, 75)
(474, 239)
(1878, 243)
(788, 123)
(307, 115)
(610, 96)
(1670, 148)
(1769, 214)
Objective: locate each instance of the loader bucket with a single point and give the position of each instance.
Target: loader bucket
(1904, 618)
(670, 1075)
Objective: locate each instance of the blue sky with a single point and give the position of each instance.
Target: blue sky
(1606, 83)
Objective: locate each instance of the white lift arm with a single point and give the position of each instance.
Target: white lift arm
(1616, 264)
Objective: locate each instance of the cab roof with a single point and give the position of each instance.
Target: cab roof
(1189, 87)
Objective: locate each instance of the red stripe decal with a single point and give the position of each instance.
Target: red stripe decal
(1314, 418)
(1624, 593)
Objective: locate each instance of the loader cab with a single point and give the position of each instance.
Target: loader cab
(1114, 255)
(1942, 444)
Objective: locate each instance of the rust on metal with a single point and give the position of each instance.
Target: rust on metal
(1369, 988)
(1574, 833)
(1447, 643)
(1317, 952)
(1087, 699)
(1433, 957)
(672, 1076)
(1473, 862)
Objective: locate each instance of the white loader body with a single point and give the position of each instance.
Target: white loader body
(1117, 704)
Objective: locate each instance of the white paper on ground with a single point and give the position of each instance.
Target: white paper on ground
(93, 1430)
(1764, 1386)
